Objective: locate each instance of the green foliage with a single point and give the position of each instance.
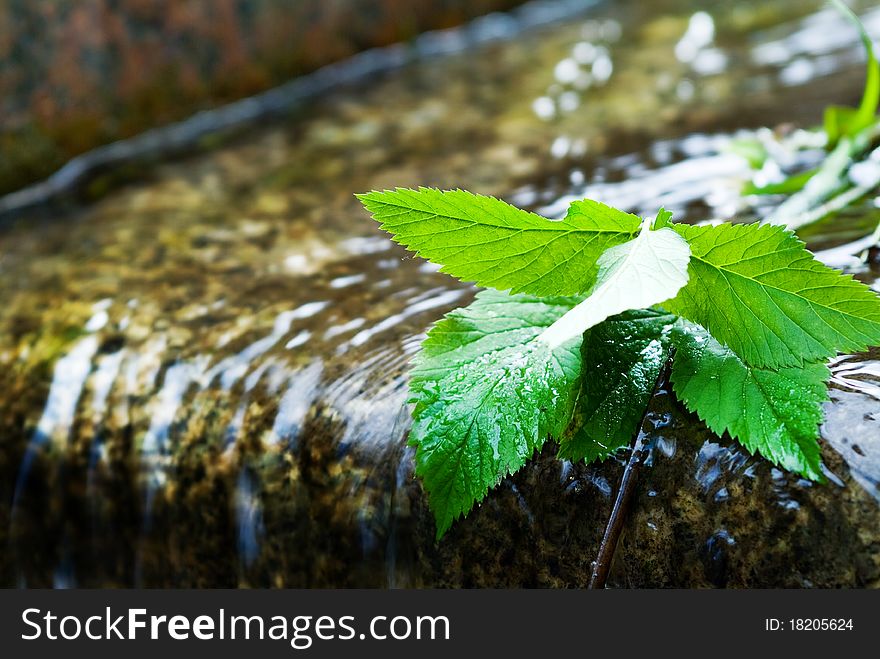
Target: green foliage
(772, 412)
(849, 135)
(794, 183)
(645, 271)
(588, 309)
(663, 219)
(762, 294)
(847, 122)
(491, 243)
(487, 395)
(495, 379)
(623, 357)
(839, 121)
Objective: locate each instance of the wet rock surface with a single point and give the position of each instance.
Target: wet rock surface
(164, 61)
(204, 372)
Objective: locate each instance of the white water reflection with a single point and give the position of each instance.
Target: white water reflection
(852, 428)
(302, 389)
(707, 174)
(154, 451)
(344, 328)
(589, 65)
(699, 34)
(349, 280)
(68, 380)
(233, 368)
(248, 516)
(821, 33)
(416, 307)
(106, 372)
(857, 374)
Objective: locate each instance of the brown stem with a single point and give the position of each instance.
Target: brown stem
(619, 510)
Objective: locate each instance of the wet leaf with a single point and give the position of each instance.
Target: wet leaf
(623, 357)
(495, 379)
(643, 272)
(489, 242)
(487, 395)
(761, 293)
(772, 412)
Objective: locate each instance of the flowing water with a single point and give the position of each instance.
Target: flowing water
(204, 371)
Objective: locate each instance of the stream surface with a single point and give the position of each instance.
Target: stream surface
(204, 372)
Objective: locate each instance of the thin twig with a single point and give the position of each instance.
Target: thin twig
(617, 519)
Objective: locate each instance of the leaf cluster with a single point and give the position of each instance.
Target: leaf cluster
(580, 316)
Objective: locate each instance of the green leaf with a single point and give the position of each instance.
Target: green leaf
(645, 271)
(663, 219)
(495, 379)
(772, 412)
(793, 183)
(840, 121)
(623, 357)
(850, 132)
(487, 395)
(494, 244)
(760, 292)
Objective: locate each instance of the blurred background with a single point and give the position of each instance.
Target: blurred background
(205, 340)
(75, 75)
